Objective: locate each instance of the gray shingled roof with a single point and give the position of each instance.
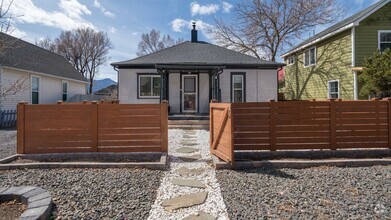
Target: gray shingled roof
(197, 53)
(339, 25)
(27, 56)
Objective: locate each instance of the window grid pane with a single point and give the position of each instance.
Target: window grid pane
(145, 86)
(35, 84)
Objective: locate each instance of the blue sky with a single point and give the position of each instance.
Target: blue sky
(126, 20)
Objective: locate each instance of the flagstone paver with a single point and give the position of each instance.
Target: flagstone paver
(184, 171)
(201, 215)
(190, 158)
(187, 150)
(184, 201)
(188, 183)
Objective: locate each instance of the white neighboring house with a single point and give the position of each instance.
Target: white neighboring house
(42, 76)
(189, 75)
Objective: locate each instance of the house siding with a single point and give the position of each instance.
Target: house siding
(367, 33)
(50, 88)
(334, 62)
(261, 85)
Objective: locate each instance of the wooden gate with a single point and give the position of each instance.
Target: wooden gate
(221, 138)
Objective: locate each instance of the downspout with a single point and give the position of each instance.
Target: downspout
(117, 70)
(219, 72)
(278, 89)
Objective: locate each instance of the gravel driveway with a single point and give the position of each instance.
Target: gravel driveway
(317, 193)
(93, 194)
(7, 143)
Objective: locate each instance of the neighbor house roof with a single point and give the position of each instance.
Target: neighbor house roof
(339, 27)
(197, 53)
(26, 56)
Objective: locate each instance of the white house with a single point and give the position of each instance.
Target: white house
(189, 75)
(40, 75)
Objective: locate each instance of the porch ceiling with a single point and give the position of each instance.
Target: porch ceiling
(180, 67)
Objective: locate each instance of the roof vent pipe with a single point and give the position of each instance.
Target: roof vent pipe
(194, 34)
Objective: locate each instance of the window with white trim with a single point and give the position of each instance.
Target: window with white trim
(35, 89)
(149, 86)
(384, 40)
(291, 60)
(237, 88)
(310, 57)
(334, 89)
(64, 90)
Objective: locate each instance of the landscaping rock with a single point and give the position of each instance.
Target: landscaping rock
(201, 215)
(188, 183)
(187, 150)
(190, 158)
(184, 201)
(184, 171)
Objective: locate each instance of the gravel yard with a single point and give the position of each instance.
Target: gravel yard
(93, 194)
(7, 143)
(316, 193)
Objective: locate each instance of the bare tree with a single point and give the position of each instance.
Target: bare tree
(47, 43)
(84, 48)
(12, 88)
(265, 28)
(153, 41)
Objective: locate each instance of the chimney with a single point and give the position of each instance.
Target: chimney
(194, 35)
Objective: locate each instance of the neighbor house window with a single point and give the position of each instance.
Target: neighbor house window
(384, 40)
(310, 57)
(35, 89)
(149, 86)
(238, 89)
(334, 89)
(64, 90)
(291, 60)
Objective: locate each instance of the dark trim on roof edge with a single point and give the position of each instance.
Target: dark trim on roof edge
(227, 66)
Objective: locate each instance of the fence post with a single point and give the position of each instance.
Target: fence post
(272, 125)
(94, 126)
(164, 125)
(20, 148)
(333, 127)
(389, 120)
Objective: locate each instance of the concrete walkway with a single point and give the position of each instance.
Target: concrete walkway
(189, 189)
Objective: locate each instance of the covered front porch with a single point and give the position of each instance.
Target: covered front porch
(189, 89)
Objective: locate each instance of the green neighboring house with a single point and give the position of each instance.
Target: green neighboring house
(327, 64)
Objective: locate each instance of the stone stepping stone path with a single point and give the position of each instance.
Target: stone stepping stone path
(189, 189)
(188, 183)
(187, 150)
(201, 215)
(184, 201)
(190, 158)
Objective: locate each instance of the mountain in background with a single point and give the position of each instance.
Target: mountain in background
(102, 83)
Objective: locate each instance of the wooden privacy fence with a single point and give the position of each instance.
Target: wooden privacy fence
(299, 125)
(92, 127)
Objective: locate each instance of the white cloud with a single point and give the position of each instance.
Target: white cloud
(17, 33)
(113, 30)
(103, 9)
(227, 7)
(135, 33)
(203, 9)
(178, 24)
(70, 16)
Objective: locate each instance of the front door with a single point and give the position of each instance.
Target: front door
(189, 93)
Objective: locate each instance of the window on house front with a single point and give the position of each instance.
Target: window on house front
(149, 86)
(384, 40)
(238, 88)
(334, 89)
(291, 60)
(64, 91)
(35, 90)
(310, 57)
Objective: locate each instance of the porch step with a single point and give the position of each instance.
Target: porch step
(188, 124)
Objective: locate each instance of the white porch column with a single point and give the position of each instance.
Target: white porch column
(355, 86)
